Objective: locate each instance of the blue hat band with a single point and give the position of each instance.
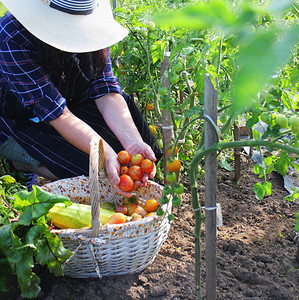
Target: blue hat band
(82, 7)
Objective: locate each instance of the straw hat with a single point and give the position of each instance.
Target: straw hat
(69, 25)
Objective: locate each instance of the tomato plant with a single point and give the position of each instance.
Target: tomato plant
(252, 62)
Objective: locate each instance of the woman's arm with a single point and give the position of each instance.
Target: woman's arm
(116, 113)
(80, 134)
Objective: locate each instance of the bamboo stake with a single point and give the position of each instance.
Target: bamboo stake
(210, 109)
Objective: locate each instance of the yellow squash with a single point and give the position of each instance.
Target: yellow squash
(75, 216)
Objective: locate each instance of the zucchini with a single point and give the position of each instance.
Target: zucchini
(75, 216)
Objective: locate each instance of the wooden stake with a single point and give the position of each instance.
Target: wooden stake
(237, 153)
(210, 109)
(166, 116)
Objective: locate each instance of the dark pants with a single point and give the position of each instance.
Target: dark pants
(46, 145)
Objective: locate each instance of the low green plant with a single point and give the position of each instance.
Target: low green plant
(25, 236)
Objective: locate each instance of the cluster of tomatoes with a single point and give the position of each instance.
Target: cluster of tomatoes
(132, 169)
(133, 210)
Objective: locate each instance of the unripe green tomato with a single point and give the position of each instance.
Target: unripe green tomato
(176, 201)
(265, 117)
(294, 120)
(164, 199)
(295, 129)
(170, 176)
(151, 26)
(162, 90)
(133, 7)
(174, 78)
(167, 189)
(188, 145)
(143, 32)
(150, 95)
(171, 217)
(179, 189)
(163, 105)
(178, 67)
(160, 143)
(171, 102)
(160, 212)
(282, 121)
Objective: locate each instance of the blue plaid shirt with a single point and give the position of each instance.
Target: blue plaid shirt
(22, 74)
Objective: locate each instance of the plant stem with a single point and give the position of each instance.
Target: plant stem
(197, 230)
(5, 202)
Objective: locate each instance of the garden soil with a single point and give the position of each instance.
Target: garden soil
(256, 253)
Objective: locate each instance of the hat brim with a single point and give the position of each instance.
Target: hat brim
(67, 32)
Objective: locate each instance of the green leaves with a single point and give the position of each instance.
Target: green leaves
(200, 16)
(261, 53)
(29, 240)
(38, 203)
(261, 189)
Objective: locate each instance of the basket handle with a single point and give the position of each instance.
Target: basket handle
(96, 166)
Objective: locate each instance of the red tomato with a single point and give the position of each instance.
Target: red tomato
(136, 173)
(117, 218)
(140, 211)
(131, 207)
(124, 157)
(152, 205)
(136, 217)
(147, 166)
(137, 159)
(124, 170)
(126, 183)
(121, 209)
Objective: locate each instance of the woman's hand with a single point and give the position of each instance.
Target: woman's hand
(113, 171)
(144, 149)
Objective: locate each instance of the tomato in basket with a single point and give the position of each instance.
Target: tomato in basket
(151, 205)
(117, 218)
(140, 210)
(122, 209)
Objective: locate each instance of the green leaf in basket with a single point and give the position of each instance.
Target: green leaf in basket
(108, 206)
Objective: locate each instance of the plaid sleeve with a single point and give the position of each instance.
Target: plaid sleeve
(106, 83)
(29, 82)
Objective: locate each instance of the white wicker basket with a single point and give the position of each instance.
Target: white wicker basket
(109, 250)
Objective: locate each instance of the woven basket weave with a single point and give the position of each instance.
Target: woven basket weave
(109, 250)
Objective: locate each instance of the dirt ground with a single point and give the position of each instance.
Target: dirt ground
(256, 253)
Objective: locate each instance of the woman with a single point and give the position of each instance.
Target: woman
(58, 91)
